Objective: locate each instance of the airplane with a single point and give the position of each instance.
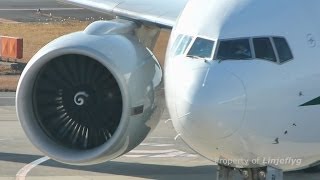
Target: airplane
(241, 82)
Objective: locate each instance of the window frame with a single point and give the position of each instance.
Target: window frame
(187, 48)
(176, 43)
(252, 48)
(230, 39)
(273, 48)
(202, 37)
(277, 50)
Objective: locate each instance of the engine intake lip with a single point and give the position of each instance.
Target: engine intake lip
(77, 102)
(113, 148)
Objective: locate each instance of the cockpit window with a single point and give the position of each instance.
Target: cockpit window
(283, 49)
(176, 42)
(273, 49)
(238, 49)
(183, 43)
(263, 49)
(201, 48)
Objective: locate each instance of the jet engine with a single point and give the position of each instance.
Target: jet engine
(91, 96)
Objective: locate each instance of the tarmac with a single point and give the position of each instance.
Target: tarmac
(160, 156)
(28, 11)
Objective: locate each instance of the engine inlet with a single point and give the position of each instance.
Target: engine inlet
(77, 102)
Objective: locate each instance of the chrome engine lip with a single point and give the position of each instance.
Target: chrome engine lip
(41, 140)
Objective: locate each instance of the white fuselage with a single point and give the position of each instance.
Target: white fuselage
(248, 111)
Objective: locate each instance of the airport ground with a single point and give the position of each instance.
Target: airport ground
(160, 156)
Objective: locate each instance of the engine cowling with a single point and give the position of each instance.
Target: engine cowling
(91, 96)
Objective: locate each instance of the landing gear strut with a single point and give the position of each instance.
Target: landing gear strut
(264, 173)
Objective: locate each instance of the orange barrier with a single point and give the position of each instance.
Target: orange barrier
(11, 47)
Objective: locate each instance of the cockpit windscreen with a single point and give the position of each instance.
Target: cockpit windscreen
(181, 44)
(237, 49)
(201, 48)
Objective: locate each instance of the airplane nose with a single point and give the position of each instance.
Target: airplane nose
(210, 102)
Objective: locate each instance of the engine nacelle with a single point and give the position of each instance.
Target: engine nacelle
(91, 96)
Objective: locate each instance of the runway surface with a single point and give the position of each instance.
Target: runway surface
(26, 11)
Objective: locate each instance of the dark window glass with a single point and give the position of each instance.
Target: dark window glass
(201, 48)
(283, 49)
(234, 49)
(263, 49)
